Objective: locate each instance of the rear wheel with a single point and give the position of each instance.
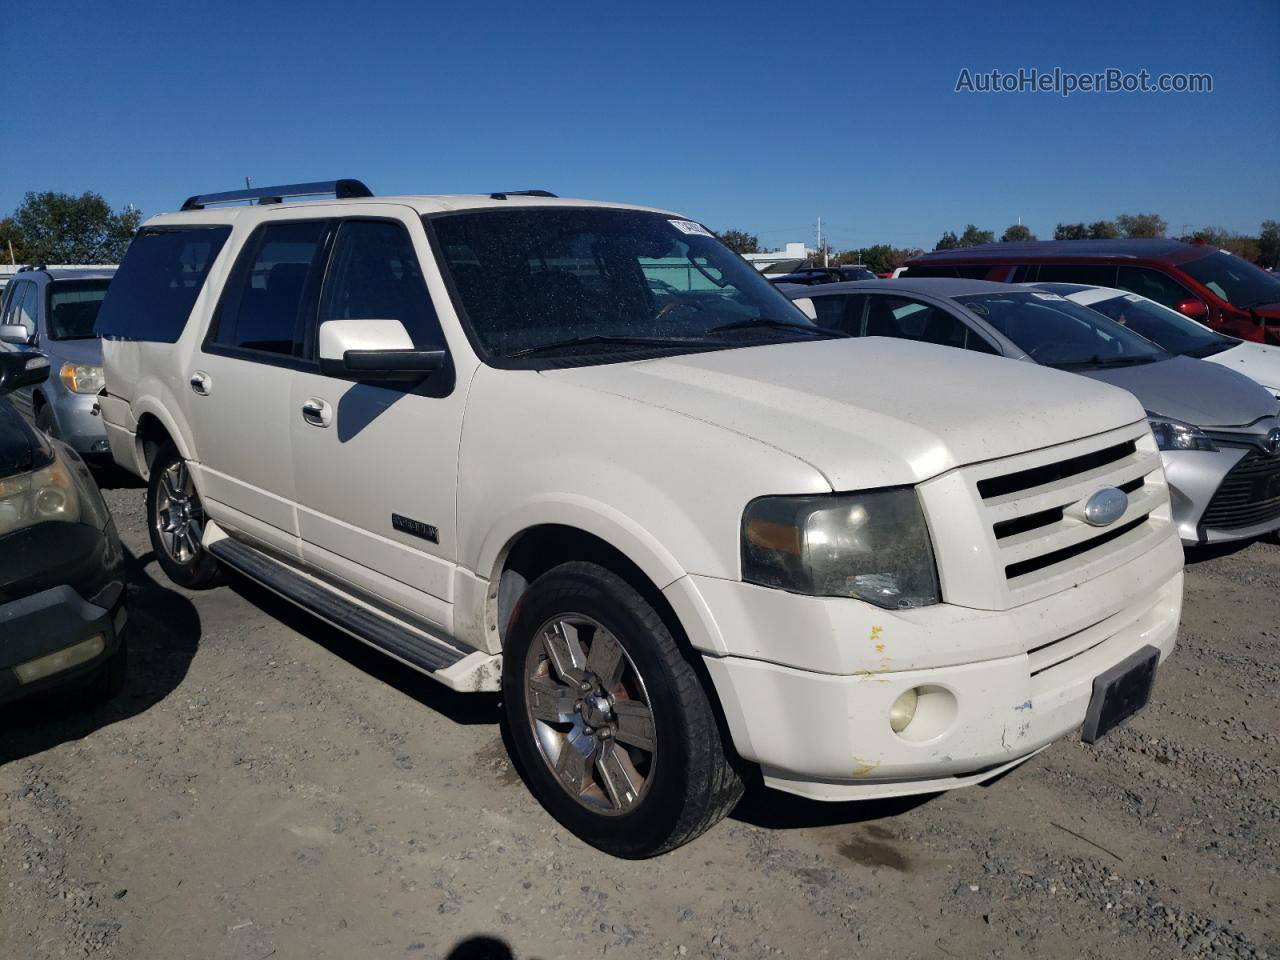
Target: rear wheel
(611, 725)
(175, 520)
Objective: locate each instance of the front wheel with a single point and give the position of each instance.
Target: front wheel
(612, 728)
(175, 520)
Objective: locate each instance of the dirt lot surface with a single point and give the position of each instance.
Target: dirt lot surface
(268, 787)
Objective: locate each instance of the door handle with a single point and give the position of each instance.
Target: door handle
(316, 412)
(201, 384)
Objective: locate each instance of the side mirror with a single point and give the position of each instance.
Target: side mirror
(14, 333)
(1195, 309)
(374, 350)
(22, 370)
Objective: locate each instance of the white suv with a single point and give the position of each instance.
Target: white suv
(582, 453)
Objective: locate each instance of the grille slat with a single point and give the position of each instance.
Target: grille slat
(1033, 511)
(1242, 498)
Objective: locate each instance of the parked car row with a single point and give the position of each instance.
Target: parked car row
(1224, 291)
(1218, 430)
(581, 453)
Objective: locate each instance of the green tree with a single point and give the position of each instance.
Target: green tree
(11, 249)
(1103, 230)
(949, 241)
(61, 228)
(1071, 231)
(1017, 232)
(1241, 244)
(739, 241)
(1141, 225)
(1269, 244)
(973, 237)
(877, 258)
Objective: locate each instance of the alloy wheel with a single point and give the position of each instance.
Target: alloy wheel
(179, 518)
(590, 714)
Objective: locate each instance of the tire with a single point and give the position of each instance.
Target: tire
(612, 791)
(175, 521)
(109, 679)
(44, 420)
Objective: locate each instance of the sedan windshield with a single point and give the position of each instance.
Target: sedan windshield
(591, 281)
(1162, 326)
(73, 307)
(1236, 281)
(1059, 333)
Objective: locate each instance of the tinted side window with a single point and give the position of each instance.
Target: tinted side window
(158, 282)
(928, 271)
(374, 275)
(25, 305)
(1098, 275)
(261, 308)
(841, 312)
(1153, 285)
(907, 319)
(1026, 273)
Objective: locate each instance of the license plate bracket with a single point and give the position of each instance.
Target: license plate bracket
(1120, 692)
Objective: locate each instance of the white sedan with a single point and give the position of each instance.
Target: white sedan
(1176, 333)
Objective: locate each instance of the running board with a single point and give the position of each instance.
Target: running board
(456, 669)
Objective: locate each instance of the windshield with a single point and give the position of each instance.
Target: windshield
(1236, 281)
(585, 280)
(1162, 326)
(73, 307)
(1059, 333)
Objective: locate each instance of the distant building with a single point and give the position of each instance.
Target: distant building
(790, 258)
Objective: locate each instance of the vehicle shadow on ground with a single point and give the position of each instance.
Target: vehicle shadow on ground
(163, 632)
(111, 477)
(1215, 551)
(463, 708)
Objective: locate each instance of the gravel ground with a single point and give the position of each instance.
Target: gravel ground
(268, 787)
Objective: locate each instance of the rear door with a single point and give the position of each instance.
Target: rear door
(375, 464)
(239, 382)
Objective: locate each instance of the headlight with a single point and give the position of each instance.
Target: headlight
(30, 498)
(1176, 435)
(873, 546)
(82, 377)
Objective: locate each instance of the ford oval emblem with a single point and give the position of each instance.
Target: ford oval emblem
(1106, 507)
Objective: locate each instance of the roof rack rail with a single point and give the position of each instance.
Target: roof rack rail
(502, 195)
(341, 190)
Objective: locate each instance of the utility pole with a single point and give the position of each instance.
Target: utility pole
(822, 247)
(247, 184)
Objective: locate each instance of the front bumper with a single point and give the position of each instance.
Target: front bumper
(55, 621)
(1001, 684)
(61, 584)
(1195, 476)
(78, 421)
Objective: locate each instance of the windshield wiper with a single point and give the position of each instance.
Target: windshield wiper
(759, 322)
(601, 340)
(1097, 361)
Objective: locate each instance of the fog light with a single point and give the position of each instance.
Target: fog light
(73, 655)
(903, 710)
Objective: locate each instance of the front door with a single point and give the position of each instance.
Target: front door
(375, 465)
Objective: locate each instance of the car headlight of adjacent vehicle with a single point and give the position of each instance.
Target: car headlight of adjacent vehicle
(873, 546)
(82, 377)
(50, 493)
(1175, 435)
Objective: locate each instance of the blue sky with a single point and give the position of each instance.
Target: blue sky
(752, 115)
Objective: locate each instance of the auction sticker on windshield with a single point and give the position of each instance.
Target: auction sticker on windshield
(688, 226)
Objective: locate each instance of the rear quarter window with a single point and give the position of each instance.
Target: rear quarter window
(158, 282)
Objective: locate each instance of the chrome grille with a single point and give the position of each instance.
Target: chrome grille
(1029, 518)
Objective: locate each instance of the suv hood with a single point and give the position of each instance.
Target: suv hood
(88, 350)
(871, 412)
(1193, 391)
